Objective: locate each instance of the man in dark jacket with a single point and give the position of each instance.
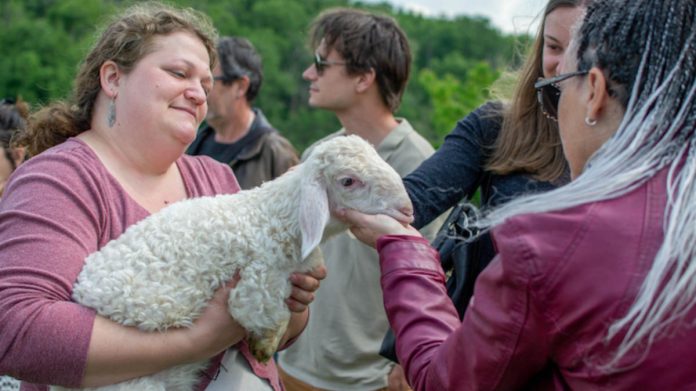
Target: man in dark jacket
(235, 132)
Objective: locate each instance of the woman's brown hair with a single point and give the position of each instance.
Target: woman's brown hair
(529, 142)
(125, 40)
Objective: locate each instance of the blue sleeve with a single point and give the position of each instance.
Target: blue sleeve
(456, 169)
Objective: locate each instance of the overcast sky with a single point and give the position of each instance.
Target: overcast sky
(510, 16)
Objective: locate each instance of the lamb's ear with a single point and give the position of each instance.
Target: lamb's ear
(314, 213)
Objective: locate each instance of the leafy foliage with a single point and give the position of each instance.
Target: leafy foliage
(455, 60)
(452, 98)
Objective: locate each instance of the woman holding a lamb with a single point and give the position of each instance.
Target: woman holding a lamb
(103, 161)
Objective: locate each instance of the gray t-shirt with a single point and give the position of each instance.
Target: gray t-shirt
(339, 349)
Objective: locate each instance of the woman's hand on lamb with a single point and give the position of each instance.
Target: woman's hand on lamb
(303, 287)
(369, 228)
(215, 330)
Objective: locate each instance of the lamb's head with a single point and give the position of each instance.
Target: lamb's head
(347, 173)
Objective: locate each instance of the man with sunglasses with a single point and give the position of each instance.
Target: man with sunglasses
(360, 68)
(235, 132)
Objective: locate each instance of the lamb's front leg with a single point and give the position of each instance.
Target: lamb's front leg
(264, 345)
(258, 304)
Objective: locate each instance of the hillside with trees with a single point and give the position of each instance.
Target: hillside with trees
(455, 60)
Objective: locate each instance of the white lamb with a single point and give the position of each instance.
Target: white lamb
(161, 272)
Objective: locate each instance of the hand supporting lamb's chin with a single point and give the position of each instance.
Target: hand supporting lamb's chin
(403, 216)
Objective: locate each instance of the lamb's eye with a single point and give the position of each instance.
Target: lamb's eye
(346, 181)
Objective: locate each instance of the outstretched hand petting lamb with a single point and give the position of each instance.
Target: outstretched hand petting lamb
(161, 272)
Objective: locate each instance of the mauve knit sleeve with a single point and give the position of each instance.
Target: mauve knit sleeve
(48, 224)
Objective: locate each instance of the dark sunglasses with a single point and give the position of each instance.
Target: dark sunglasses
(548, 93)
(321, 64)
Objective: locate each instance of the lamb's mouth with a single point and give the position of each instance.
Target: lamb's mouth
(402, 216)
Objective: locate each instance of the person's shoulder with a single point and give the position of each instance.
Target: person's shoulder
(206, 176)
(488, 115)
(412, 139)
(281, 149)
(481, 125)
(70, 148)
(491, 108)
(202, 163)
(532, 246)
(623, 213)
(275, 140)
(68, 170)
(549, 237)
(73, 155)
(545, 227)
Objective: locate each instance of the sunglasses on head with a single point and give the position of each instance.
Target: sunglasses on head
(548, 93)
(321, 64)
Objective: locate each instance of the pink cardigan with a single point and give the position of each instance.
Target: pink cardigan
(541, 310)
(59, 207)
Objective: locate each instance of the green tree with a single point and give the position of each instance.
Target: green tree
(455, 60)
(452, 98)
(42, 43)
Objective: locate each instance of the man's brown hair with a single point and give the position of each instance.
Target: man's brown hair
(367, 41)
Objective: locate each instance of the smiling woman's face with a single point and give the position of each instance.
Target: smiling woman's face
(164, 96)
(557, 27)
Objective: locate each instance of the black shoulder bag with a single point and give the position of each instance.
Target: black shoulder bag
(463, 261)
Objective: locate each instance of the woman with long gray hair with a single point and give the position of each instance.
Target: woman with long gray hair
(594, 283)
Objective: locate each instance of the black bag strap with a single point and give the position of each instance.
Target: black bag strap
(456, 230)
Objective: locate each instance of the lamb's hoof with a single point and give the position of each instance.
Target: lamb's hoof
(263, 348)
(260, 352)
(261, 356)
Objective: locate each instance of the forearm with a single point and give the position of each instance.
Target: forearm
(117, 353)
(416, 302)
(439, 183)
(456, 169)
(430, 336)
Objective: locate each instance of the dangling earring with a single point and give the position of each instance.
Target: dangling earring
(111, 114)
(590, 122)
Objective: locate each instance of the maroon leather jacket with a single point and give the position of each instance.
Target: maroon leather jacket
(541, 309)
